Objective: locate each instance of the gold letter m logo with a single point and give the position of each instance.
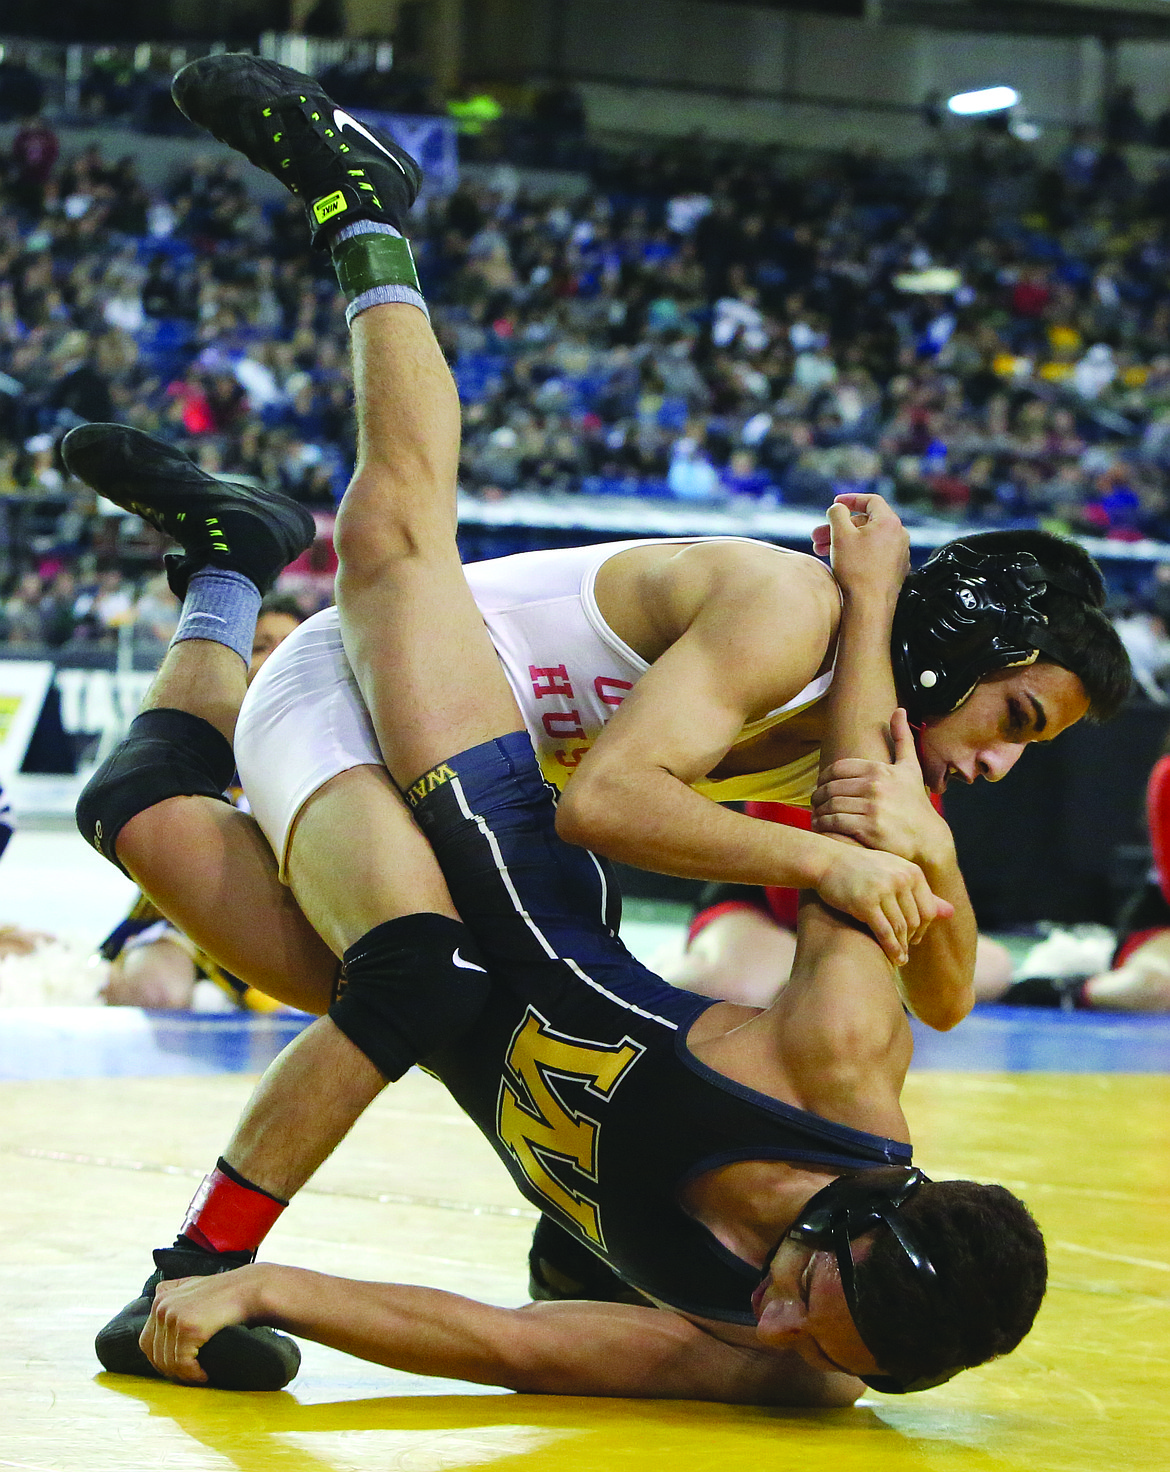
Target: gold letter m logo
(534, 1123)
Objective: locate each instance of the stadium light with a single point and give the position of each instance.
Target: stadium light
(985, 99)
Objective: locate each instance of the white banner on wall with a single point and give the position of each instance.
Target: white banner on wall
(104, 701)
(24, 683)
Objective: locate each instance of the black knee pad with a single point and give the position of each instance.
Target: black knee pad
(166, 753)
(408, 988)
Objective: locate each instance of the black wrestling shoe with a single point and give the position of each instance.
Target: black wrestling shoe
(217, 523)
(237, 1358)
(560, 1267)
(286, 124)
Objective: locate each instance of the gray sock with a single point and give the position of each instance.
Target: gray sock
(221, 606)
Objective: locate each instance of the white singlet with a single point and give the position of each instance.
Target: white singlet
(303, 720)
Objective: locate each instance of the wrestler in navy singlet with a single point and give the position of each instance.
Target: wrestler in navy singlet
(578, 1071)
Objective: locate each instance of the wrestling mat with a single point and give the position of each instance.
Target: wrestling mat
(111, 1117)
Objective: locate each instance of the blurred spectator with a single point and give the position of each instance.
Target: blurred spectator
(57, 609)
(1148, 646)
(80, 387)
(1123, 122)
(35, 150)
(979, 332)
(1095, 371)
(156, 613)
(476, 114)
(1160, 129)
(691, 476)
(23, 622)
(474, 111)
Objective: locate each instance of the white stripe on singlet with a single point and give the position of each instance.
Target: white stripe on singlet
(549, 949)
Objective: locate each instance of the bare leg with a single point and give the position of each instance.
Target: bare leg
(355, 860)
(993, 969)
(1142, 984)
(742, 956)
(159, 975)
(413, 634)
(208, 868)
(203, 678)
(745, 957)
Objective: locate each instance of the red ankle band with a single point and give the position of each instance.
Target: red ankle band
(227, 1217)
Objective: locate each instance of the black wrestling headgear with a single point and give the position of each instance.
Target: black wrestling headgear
(966, 613)
(849, 1207)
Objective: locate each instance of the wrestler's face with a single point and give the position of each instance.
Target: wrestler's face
(987, 735)
(272, 629)
(801, 1306)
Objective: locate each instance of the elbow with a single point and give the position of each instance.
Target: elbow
(586, 815)
(944, 1013)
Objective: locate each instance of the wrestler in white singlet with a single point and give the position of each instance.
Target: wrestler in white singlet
(304, 720)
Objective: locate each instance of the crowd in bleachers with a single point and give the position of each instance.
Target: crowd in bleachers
(983, 334)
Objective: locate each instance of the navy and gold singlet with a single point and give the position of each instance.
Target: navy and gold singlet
(578, 1071)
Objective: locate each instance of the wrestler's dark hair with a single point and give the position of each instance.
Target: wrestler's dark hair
(1096, 654)
(282, 603)
(992, 1269)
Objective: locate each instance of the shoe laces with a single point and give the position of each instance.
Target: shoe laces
(296, 127)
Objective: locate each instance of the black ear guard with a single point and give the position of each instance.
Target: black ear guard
(848, 1208)
(965, 614)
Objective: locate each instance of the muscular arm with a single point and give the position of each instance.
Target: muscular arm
(546, 1348)
(842, 1035)
(937, 979)
(746, 635)
(740, 640)
(886, 807)
(844, 1040)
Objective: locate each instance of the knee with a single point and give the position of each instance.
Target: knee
(993, 970)
(159, 977)
(409, 988)
(372, 531)
(166, 753)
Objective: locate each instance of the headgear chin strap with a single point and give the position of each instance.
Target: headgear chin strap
(965, 614)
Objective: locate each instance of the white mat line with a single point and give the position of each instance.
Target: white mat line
(1133, 1262)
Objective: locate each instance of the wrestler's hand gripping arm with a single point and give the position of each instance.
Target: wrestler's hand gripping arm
(727, 663)
(839, 1026)
(569, 1348)
(937, 978)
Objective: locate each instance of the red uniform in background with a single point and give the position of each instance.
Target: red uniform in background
(1158, 823)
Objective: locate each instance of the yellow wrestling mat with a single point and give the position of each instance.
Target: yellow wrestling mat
(97, 1171)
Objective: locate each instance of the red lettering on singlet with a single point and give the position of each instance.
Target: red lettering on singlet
(549, 680)
(571, 759)
(611, 692)
(559, 724)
